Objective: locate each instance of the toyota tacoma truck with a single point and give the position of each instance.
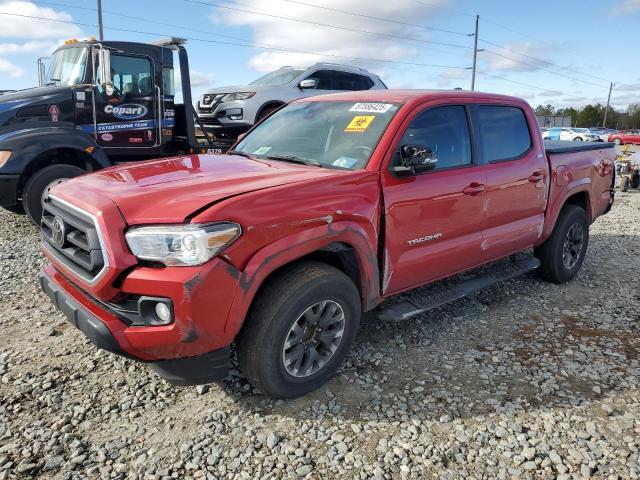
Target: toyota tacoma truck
(325, 210)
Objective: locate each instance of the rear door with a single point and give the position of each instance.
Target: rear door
(434, 220)
(517, 179)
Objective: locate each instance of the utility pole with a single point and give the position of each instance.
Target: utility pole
(604, 122)
(475, 55)
(100, 32)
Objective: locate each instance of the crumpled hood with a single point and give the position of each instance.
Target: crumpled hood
(172, 189)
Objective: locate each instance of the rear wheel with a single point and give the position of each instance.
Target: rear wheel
(577, 139)
(40, 183)
(617, 141)
(562, 254)
(299, 330)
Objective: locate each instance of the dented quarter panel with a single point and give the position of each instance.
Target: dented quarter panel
(579, 172)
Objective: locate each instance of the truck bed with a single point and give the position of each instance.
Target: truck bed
(564, 146)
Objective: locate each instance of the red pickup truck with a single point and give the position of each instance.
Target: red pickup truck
(323, 211)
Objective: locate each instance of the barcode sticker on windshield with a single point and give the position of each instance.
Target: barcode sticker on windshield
(371, 107)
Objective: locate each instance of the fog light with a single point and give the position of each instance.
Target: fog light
(234, 114)
(163, 312)
(155, 311)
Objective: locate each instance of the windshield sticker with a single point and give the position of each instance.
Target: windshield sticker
(371, 107)
(360, 123)
(262, 150)
(345, 162)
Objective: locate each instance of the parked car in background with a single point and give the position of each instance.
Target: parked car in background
(570, 134)
(625, 136)
(230, 111)
(602, 132)
(321, 212)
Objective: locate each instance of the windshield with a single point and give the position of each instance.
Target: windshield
(279, 77)
(68, 66)
(329, 134)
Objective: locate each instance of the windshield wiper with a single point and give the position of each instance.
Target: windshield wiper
(293, 159)
(238, 152)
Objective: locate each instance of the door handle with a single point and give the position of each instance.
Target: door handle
(536, 176)
(474, 188)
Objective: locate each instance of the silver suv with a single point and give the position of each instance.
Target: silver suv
(230, 111)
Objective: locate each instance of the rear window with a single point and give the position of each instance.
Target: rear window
(505, 133)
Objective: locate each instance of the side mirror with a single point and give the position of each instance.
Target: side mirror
(104, 62)
(42, 71)
(307, 84)
(241, 136)
(415, 159)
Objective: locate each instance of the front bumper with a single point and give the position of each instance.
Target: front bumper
(9, 190)
(181, 357)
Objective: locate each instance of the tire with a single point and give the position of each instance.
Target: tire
(624, 184)
(554, 266)
(281, 304)
(267, 111)
(617, 141)
(40, 183)
(577, 139)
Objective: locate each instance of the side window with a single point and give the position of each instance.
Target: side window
(132, 76)
(350, 81)
(445, 130)
(505, 133)
(322, 78)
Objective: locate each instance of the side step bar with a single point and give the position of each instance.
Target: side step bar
(439, 295)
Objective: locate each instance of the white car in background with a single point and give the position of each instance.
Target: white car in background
(570, 134)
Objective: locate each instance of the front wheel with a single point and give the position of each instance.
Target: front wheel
(617, 141)
(562, 254)
(40, 183)
(299, 330)
(577, 139)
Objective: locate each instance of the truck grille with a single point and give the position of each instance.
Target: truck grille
(71, 236)
(210, 102)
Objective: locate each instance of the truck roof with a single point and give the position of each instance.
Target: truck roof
(404, 96)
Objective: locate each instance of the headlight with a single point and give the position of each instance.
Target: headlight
(182, 245)
(230, 97)
(4, 156)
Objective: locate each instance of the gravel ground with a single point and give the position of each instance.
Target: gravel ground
(527, 380)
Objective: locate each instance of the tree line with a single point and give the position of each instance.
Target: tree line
(593, 115)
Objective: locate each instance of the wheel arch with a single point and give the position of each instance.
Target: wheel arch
(38, 148)
(344, 247)
(579, 196)
(268, 104)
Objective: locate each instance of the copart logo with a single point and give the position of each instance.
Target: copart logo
(127, 111)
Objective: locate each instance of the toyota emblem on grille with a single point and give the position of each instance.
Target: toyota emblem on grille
(58, 231)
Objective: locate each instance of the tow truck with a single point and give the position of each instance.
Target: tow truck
(100, 104)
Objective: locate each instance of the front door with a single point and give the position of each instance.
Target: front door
(127, 117)
(517, 180)
(434, 220)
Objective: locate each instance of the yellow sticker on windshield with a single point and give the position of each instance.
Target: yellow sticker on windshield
(360, 123)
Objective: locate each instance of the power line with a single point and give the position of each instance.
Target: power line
(389, 20)
(328, 25)
(538, 67)
(542, 61)
(248, 45)
(440, 5)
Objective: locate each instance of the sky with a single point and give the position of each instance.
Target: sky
(563, 53)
